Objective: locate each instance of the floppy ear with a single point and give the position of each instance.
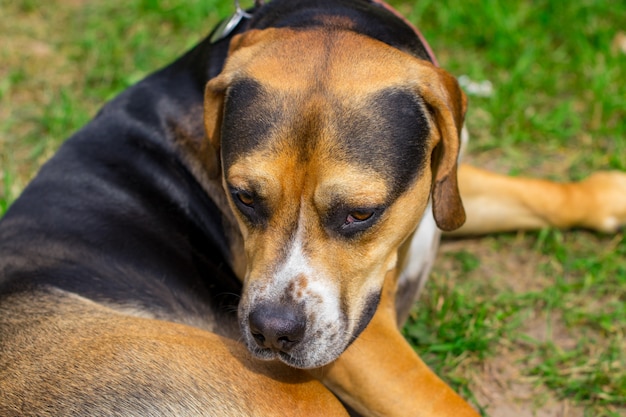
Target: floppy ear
(448, 104)
(214, 94)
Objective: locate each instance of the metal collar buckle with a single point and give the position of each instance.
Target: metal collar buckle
(227, 26)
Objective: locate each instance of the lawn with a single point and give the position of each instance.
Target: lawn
(519, 322)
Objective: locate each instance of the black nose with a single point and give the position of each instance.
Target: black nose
(277, 327)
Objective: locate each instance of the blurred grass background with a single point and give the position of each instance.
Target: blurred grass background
(548, 308)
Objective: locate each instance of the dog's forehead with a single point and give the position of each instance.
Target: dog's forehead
(343, 61)
(348, 100)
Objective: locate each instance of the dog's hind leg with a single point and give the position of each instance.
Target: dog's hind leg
(500, 203)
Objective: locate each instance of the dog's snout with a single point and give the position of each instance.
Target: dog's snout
(279, 328)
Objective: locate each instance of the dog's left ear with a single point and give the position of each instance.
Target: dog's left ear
(447, 103)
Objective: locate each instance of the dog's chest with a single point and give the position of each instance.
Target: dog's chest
(417, 264)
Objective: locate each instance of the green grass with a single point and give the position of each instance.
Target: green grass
(551, 302)
(578, 299)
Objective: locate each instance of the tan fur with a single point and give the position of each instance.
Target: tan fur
(395, 382)
(96, 357)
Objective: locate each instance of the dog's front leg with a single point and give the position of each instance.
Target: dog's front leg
(381, 375)
(500, 203)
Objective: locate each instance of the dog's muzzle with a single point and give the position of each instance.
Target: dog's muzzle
(303, 332)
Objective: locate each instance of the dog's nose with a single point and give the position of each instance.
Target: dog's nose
(277, 327)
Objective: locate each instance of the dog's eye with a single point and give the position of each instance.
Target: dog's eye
(358, 220)
(245, 198)
(348, 222)
(359, 216)
(253, 207)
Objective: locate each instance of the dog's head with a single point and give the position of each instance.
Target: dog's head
(331, 145)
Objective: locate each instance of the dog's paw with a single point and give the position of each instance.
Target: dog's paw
(606, 191)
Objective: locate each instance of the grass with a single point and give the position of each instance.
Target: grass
(551, 303)
(564, 328)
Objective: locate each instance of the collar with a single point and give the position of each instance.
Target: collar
(227, 26)
(430, 52)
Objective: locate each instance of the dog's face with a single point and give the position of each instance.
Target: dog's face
(329, 145)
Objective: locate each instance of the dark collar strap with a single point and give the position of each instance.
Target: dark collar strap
(409, 24)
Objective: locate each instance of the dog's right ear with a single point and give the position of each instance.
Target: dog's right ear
(214, 94)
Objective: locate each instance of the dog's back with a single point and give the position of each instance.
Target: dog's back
(115, 216)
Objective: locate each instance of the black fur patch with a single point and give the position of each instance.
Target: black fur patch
(248, 119)
(371, 304)
(388, 136)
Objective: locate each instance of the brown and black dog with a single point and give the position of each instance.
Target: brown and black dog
(242, 232)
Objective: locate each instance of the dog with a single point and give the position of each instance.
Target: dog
(242, 232)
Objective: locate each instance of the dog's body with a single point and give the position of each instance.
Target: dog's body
(306, 206)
